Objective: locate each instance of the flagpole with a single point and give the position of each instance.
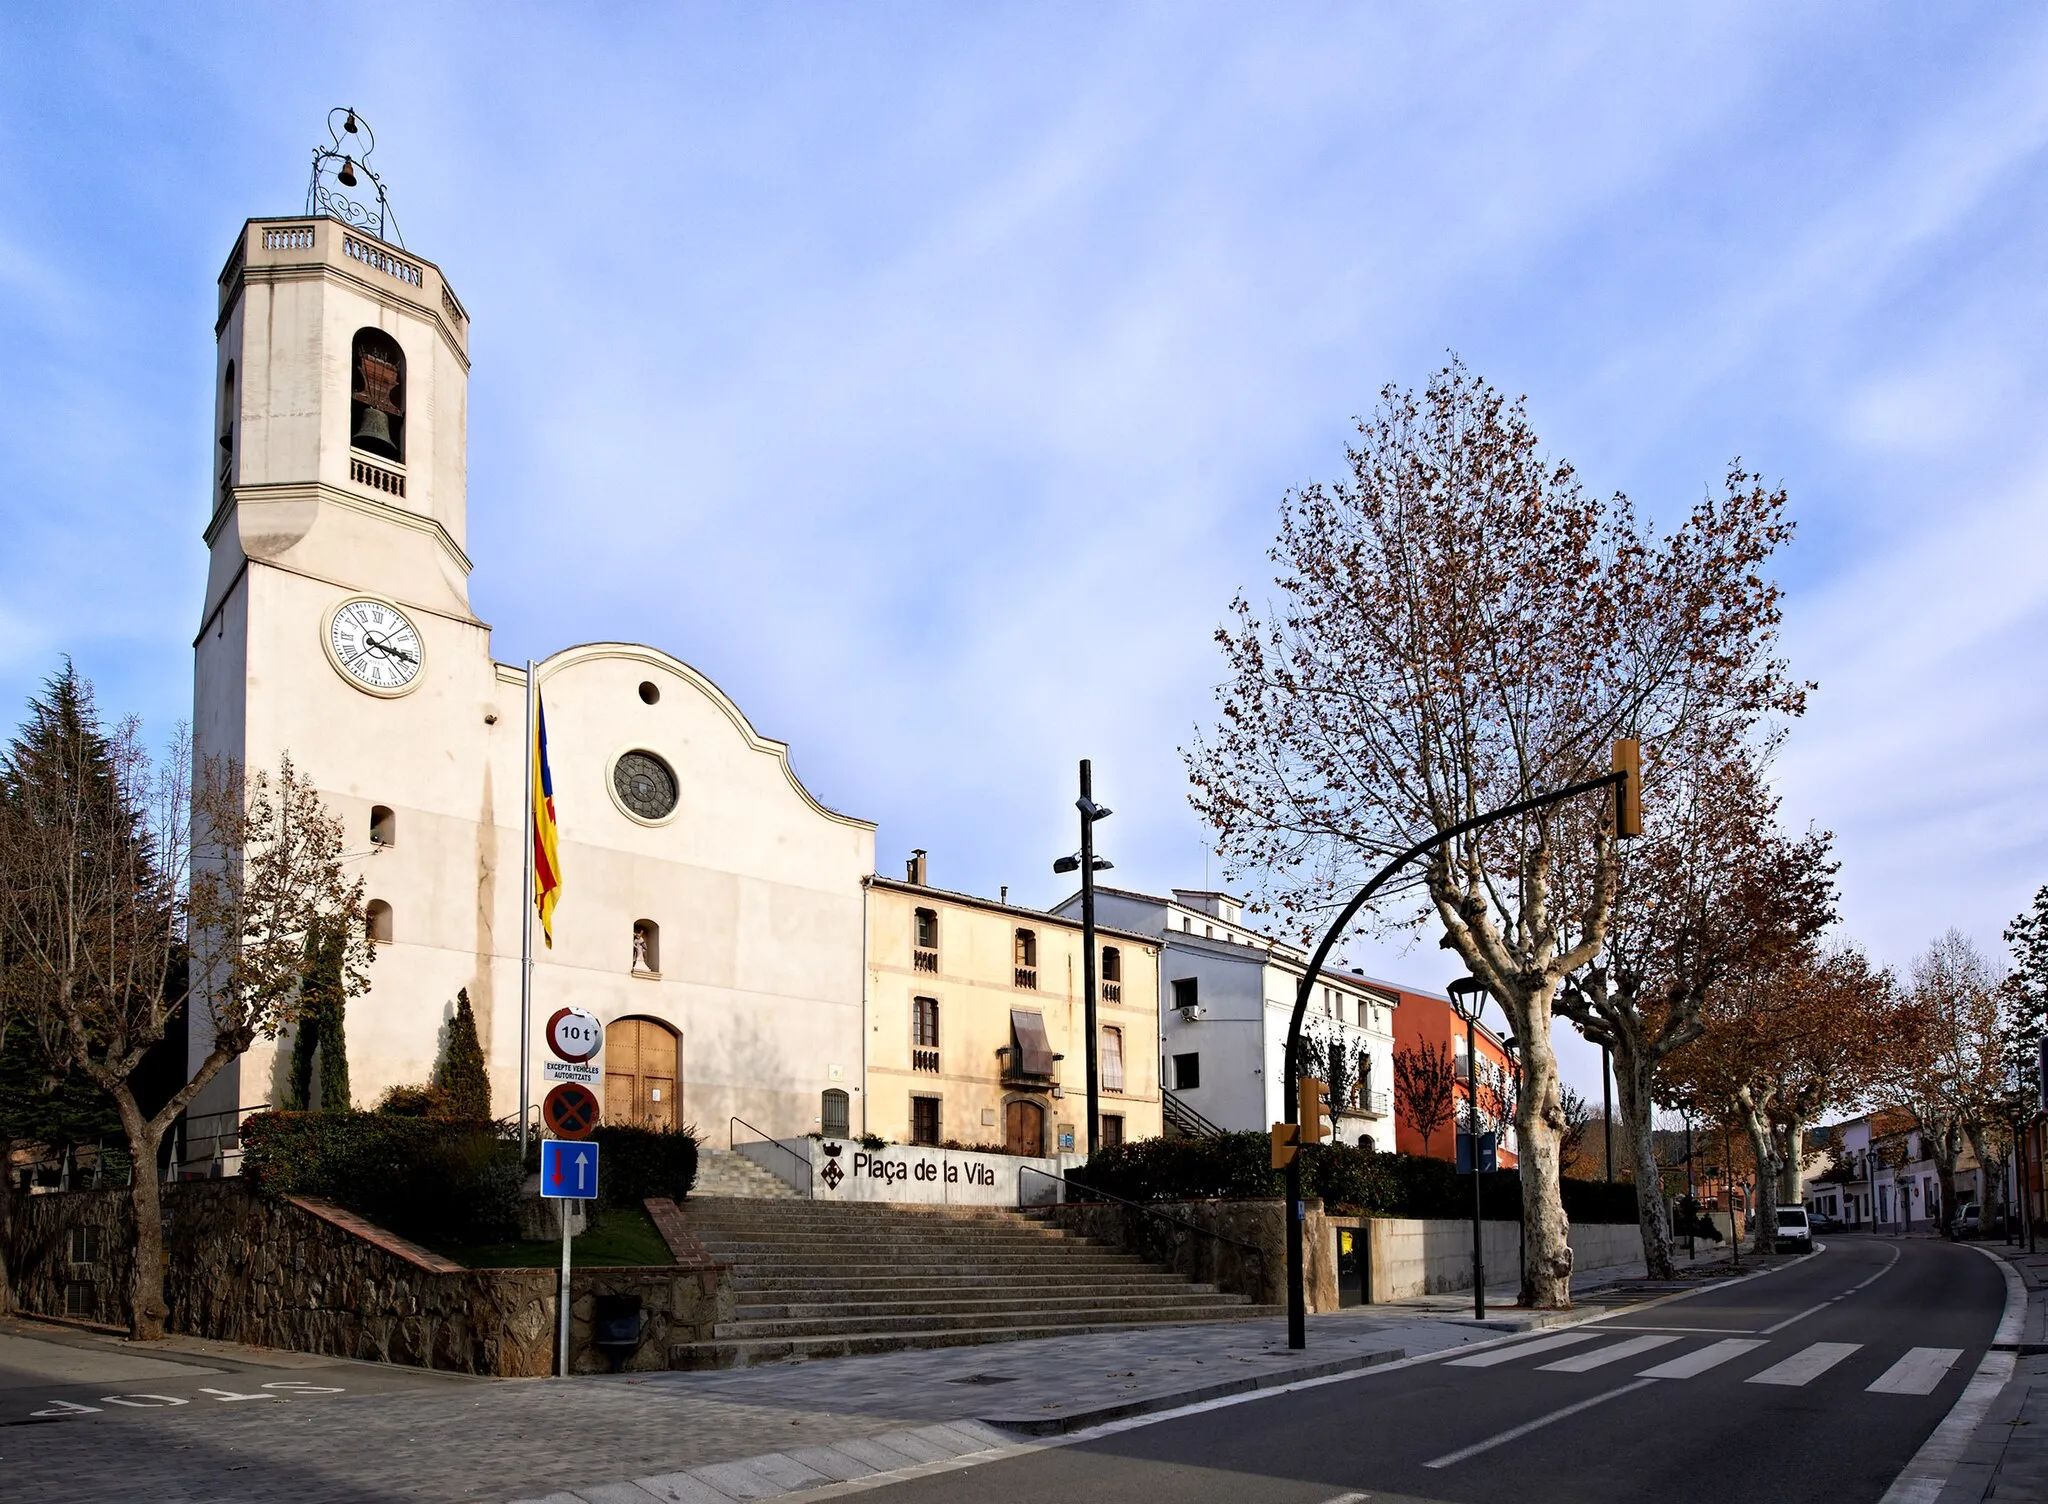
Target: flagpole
(526, 936)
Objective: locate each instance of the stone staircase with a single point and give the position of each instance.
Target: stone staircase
(825, 1280)
(725, 1175)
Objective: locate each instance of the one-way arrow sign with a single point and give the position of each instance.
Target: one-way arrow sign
(568, 1170)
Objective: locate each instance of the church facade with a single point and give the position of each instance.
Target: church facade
(712, 909)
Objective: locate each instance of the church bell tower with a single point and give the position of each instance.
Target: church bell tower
(336, 627)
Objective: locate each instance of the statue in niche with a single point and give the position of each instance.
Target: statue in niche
(640, 958)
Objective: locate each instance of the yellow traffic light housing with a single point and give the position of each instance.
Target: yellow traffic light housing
(1313, 1108)
(1628, 795)
(1286, 1139)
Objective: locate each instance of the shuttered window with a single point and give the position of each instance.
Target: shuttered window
(1112, 1060)
(1033, 1055)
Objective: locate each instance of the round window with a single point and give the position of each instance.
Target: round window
(646, 785)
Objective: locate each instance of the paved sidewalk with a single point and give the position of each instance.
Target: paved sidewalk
(2007, 1458)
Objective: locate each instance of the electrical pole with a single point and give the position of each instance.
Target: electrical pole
(1089, 816)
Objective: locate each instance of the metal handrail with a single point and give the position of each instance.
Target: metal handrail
(1151, 1211)
(732, 1142)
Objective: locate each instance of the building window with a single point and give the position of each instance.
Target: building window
(1187, 925)
(925, 940)
(1365, 1142)
(1027, 958)
(924, 1120)
(376, 399)
(646, 948)
(1186, 993)
(1187, 1072)
(645, 785)
(1208, 932)
(650, 692)
(383, 826)
(1112, 1061)
(1112, 974)
(377, 921)
(833, 1117)
(924, 1034)
(1030, 1049)
(1112, 1130)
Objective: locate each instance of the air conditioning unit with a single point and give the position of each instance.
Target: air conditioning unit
(1192, 1012)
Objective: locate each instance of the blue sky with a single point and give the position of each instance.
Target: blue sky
(929, 375)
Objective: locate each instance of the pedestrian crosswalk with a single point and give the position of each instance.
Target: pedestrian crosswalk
(1918, 1371)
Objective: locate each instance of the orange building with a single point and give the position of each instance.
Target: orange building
(1426, 1021)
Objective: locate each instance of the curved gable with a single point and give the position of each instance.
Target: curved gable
(633, 652)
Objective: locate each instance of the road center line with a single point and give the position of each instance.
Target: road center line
(1809, 1311)
(1451, 1459)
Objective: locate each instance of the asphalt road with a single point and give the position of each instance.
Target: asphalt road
(1817, 1381)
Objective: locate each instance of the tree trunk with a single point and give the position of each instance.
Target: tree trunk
(1792, 1190)
(1632, 1086)
(1539, 1133)
(6, 1224)
(146, 1308)
(1763, 1144)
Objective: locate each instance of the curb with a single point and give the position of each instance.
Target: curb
(1081, 1419)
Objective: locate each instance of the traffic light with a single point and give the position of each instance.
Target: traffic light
(1286, 1138)
(1628, 797)
(1314, 1110)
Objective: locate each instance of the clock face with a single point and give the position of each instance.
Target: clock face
(374, 644)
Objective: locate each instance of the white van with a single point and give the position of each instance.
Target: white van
(1794, 1236)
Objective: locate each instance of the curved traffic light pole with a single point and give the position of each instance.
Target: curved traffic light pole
(1297, 1304)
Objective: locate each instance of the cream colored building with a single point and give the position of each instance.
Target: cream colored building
(712, 908)
(976, 1024)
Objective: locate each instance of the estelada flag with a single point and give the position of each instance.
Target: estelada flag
(547, 863)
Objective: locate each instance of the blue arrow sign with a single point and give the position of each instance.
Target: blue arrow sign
(568, 1170)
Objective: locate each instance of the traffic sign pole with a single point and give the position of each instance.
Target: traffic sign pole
(562, 1300)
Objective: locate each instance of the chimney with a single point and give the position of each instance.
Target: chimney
(917, 872)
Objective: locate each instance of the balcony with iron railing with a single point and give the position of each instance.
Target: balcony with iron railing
(1014, 1074)
(1377, 1102)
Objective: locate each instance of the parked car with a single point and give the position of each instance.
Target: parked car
(1794, 1236)
(1822, 1222)
(1970, 1220)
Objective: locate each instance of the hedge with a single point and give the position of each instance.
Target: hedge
(428, 1178)
(1238, 1166)
(440, 1180)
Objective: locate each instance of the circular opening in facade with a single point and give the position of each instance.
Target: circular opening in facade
(646, 785)
(649, 691)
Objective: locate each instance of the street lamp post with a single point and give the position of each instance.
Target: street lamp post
(1468, 997)
(1089, 864)
(1692, 1200)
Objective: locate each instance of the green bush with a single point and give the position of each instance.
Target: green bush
(430, 1179)
(1238, 1166)
(635, 1163)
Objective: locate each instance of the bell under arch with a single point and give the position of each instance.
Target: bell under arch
(376, 399)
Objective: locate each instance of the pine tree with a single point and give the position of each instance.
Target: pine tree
(461, 1072)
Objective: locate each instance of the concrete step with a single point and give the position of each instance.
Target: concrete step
(850, 1314)
(747, 1352)
(767, 1282)
(987, 1269)
(724, 1175)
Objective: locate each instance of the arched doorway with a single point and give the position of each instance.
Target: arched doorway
(1024, 1127)
(643, 1072)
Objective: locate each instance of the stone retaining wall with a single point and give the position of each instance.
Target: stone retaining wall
(1410, 1256)
(304, 1275)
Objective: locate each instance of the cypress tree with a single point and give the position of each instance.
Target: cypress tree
(461, 1072)
(327, 1002)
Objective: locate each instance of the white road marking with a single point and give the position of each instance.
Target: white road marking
(1713, 1355)
(1809, 1311)
(228, 1396)
(1601, 1357)
(1348, 1499)
(1924, 1478)
(64, 1407)
(1452, 1458)
(1919, 1372)
(1703, 1331)
(1806, 1365)
(1521, 1350)
(135, 1401)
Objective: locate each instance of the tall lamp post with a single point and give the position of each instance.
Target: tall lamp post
(1468, 997)
(1088, 864)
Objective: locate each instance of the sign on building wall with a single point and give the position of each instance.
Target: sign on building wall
(846, 1170)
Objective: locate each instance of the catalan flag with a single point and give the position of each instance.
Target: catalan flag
(547, 863)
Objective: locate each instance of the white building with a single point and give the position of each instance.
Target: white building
(1226, 993)
(711, 913)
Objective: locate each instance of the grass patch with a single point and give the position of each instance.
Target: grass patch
(623, 1238)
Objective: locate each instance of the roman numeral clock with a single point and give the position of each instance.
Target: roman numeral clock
(375, 646)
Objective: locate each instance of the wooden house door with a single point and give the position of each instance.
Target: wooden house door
(642, 1068)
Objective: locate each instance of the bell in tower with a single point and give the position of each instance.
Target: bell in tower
(377, 395)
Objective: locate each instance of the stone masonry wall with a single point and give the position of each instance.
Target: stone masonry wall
(305, 1275)
(1261, 1277)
